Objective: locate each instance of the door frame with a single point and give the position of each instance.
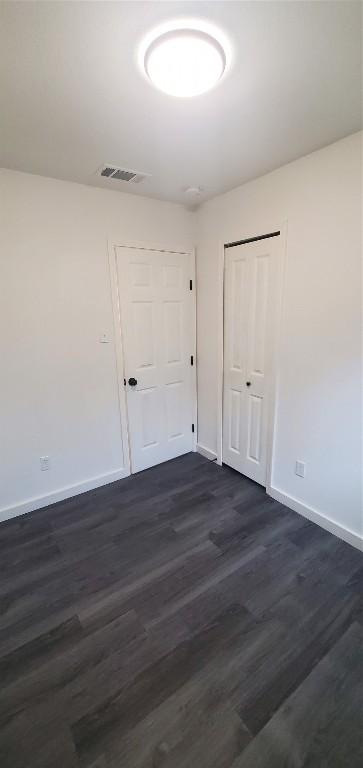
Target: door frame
(113, 244)
(273, 399)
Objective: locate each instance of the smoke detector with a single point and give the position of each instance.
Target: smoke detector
(111, 171)
(193, 197)
(194, 193)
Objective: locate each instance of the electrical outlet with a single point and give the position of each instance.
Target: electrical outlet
(44, 463)
(300, 469)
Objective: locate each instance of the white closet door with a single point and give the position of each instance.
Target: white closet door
(157, 332)
(249, 299)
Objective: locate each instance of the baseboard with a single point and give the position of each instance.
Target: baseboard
(350, 537)
(206, 452)
(6, 513)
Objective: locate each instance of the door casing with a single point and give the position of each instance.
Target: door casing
(275, 368)
(113, 244)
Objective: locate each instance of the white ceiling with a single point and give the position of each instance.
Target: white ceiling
(73, 98)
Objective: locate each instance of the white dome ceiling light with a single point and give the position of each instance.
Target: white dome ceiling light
(185, 62)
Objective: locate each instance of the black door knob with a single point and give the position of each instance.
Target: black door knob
(132, 382)
(248, 383)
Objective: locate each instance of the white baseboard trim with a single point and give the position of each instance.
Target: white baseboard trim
(206, 452)
(6, 513)
(347, 535)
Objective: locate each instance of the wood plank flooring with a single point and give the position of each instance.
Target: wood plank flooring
(179, 619)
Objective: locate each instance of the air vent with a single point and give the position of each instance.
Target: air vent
(110, 171)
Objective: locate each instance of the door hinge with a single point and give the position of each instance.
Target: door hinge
(190, 285)
(191, 359)
(192, 427)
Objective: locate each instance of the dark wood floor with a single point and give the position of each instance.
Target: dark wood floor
(182, 619)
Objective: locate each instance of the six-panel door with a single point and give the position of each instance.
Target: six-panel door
(157, 332)
(249, 297)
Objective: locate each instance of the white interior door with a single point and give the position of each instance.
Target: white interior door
(249, 323)
(157, 325)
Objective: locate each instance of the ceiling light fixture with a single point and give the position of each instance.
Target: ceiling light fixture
(185, 62)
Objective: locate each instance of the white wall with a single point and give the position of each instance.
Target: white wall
(319, 398)
(58, 384)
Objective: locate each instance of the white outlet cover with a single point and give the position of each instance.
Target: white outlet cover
(300, 468)
(44, 463)
(104, 339)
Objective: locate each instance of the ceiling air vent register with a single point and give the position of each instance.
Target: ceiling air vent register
(109, 171)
